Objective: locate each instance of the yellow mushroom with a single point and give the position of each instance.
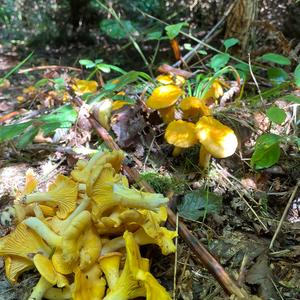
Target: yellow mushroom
(61, 194)
(23, 242)
(58, 293)
(181, 134)
(91, 248)
(93, 168)
(15, 265)
(217, 140)
(110, 266)
(59, 263)
(70, 246)
(163, 99)
(49, 277)
(214, 92)
(102, 112)
(88, 285)
(82, 87)
(193, 107)
(127, 286)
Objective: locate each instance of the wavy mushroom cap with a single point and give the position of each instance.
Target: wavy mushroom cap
(181, 134)
(218, 139)
(15, 265)
(215, 91)
(193, 106)
(164, 96)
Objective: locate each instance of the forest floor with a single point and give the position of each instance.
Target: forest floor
(236, 210)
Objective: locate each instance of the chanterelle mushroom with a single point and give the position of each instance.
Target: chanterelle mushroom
(163, 99)
(216, 138)
(181, 134)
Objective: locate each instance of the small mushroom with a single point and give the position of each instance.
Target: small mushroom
(62, 193)
(217, 140)
(15, 265)
(163, 98)
(181, 134)
(88, 284)
(214, 92)
(193, 107)
(110, 265)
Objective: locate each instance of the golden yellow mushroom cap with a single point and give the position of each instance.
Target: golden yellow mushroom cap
(61, 194)
(164, 96)
(215, 91)
(110, 265)
(218, 139)
(193, 106)
(46, 269)
(85, 86)
(15, 265)
(165, 79)
(181, 134)
(23, 242)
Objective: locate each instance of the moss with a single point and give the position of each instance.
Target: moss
(164, 183)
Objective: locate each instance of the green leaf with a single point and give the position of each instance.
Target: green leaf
(297, 75)
(277, 75)
(230, 43)
(292, 98)
(243, 70)
(41, 82)
(173, 30)
(154, 35)
(104, 68)
(59, 83)
(28, 136)
(10, 131)
(115, 30)
(276, 114)
(87, 63)
(198, 204)
(62, 117)
(275, 58)
(219, 61)
(267, 151)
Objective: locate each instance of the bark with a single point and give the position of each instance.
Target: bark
(240, 23)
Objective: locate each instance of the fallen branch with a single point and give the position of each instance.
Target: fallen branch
(203, 255)
(22, 71)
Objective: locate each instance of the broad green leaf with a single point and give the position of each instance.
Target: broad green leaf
(173, 30)
(297, 75)
(115, 30)
(277, 75)
(230, 43)
(267, 151)
(275, 58)
(104, 68)
(154, 35)
(28, 136)
(87, 63)
(10, 131)
(276, 114)
(219, 61)
(198, 204)
(62, 117)
(292, 98)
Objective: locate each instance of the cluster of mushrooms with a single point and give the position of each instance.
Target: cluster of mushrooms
(83, 235)
(197, 124)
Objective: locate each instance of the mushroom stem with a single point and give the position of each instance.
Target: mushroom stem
(167, 114)
(177, 151)
(204, 157)
(39, 290)
(58, 294)
(43, 231)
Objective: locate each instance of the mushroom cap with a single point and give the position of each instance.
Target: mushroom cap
(217, 138)
(15, 265)
(164, 96)
(193, 106)
(181, 134)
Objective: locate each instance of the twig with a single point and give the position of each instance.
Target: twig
(203, 255)
(284, 215)
(175, 260)
(255, 81)
(187, 57)
(52, 67)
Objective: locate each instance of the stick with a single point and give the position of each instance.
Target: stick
(203, 255)
(284, 215)
(22, 71)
